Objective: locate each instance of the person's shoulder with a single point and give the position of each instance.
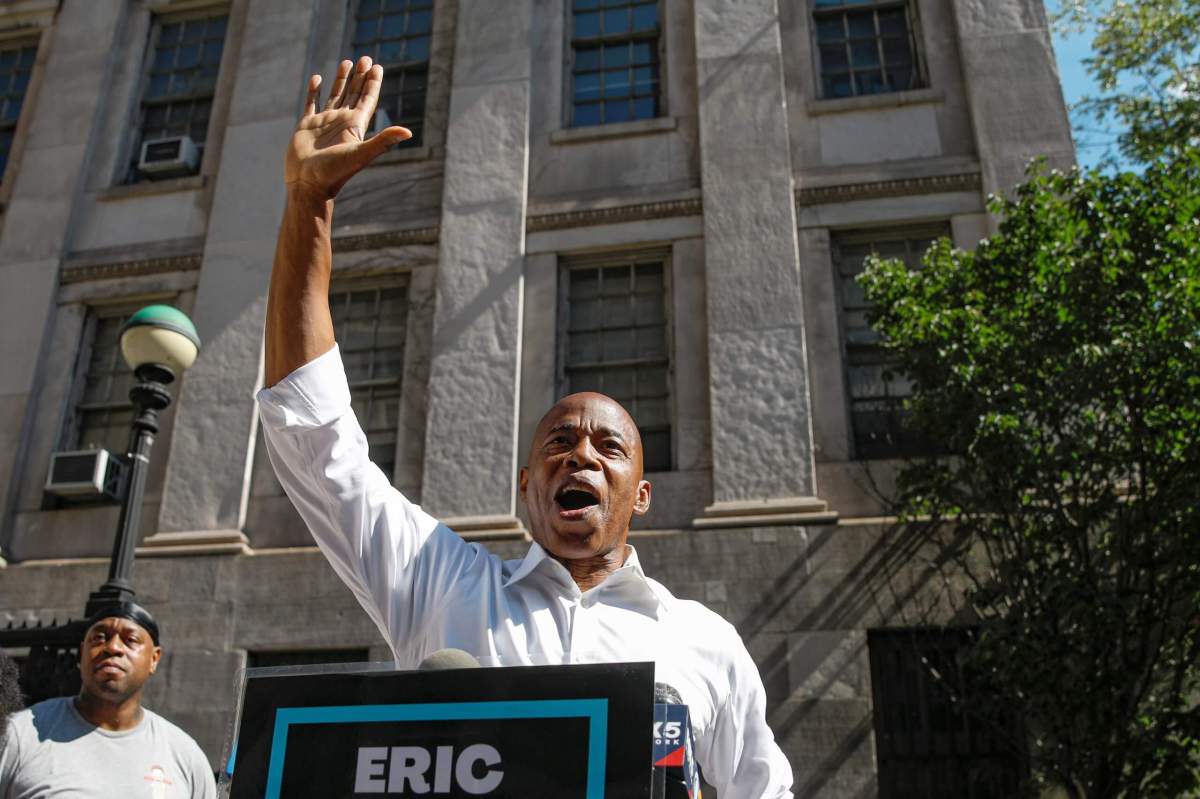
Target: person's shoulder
(705, 623)
(178, 737)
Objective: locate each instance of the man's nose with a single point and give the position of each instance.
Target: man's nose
(583, 455)
(114, 645)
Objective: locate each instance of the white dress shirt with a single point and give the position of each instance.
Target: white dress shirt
(428, 589)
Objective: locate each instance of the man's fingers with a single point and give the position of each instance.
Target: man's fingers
(366, 101)
(355, 88)
(384, 140)
(339, 85)
(314, 92)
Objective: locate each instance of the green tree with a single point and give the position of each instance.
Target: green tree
(1059, 364)
(1146, 60)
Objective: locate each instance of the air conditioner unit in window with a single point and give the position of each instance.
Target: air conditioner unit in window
(88, 473)
(170, 157)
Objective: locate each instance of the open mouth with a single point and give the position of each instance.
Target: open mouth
(574, 503)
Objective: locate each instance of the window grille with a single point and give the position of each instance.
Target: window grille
(181, 79)
(933, 737)
(865, 47)
(617, 343)
(16, 65)
(875, 390)
(615, 74)
(396, 34)
(103, 412)
(370, 324)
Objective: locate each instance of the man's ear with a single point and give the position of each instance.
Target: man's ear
(154, 658)
(642, 503)
(522, 481)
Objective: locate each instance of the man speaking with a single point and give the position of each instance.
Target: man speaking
(579, 595)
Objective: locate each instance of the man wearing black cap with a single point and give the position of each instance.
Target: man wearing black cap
(103, 743)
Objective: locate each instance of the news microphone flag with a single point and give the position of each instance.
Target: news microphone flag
(676, 773)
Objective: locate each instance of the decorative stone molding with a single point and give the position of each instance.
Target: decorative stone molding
(389, 238)
(201, 542)
(613, 215)
(488, 528)
(766, 512)
(149, 266)
(934, 184)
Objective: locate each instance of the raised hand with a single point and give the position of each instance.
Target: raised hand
(328, 147)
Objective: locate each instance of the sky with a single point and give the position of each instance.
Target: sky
(1091, 142)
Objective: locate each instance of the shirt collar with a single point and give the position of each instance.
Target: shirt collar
(629, 577)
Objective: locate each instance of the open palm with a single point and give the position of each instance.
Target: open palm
(328, 147)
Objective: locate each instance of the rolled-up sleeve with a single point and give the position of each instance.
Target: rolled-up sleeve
(398, 560)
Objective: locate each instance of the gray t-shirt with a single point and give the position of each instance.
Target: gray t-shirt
(52, 752)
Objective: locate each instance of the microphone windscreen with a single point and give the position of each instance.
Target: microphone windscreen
(666, 695)
(448, 659)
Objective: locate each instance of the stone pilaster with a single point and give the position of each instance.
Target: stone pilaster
(208, 478)
(470, 445)
(1013, 89)
(762, 440)
(75, 62)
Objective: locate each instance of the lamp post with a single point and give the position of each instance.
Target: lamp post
(159, 343)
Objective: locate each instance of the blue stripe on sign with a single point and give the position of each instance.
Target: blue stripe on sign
(595, 710)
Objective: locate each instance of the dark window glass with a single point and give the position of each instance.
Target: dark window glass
(865, 47)
(395, 33)
(933, 737)
(181, 79)
(16, 64)
(103, 412)
(616, 343)
(615, 73)
(876, 391)
(370, 328)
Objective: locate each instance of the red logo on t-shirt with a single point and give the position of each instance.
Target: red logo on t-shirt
(157, 777)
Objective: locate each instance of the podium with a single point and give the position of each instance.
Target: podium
(568, 732)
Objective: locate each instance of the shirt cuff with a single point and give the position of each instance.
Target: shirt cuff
(314, 395)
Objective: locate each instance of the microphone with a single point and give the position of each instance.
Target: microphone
(444, 659)
(676, 775)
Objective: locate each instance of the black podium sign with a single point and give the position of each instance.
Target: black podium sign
(569, 732)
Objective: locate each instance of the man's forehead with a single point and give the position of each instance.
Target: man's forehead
(588, 409)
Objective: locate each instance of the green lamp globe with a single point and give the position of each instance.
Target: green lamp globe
(160, 334)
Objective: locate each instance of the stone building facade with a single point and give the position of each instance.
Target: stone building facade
(663, 199)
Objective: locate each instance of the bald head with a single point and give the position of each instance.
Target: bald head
(611, 414)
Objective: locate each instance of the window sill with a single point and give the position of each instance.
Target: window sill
(873, 102)
(421, 153)
(638, 127)
(150, 187)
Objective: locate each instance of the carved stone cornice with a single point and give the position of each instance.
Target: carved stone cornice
(387, 238)
(115, 269)
(905, 187)
(609, 216)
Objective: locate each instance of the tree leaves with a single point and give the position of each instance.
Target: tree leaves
(1059, 364)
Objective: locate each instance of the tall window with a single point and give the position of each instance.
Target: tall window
(615, 61)
(865, 46)
(616, 343)
(876, 392)
(16, 63)
(932, 738)
(395, 33)
(369, 323)
(181, 78)
(103, 411)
